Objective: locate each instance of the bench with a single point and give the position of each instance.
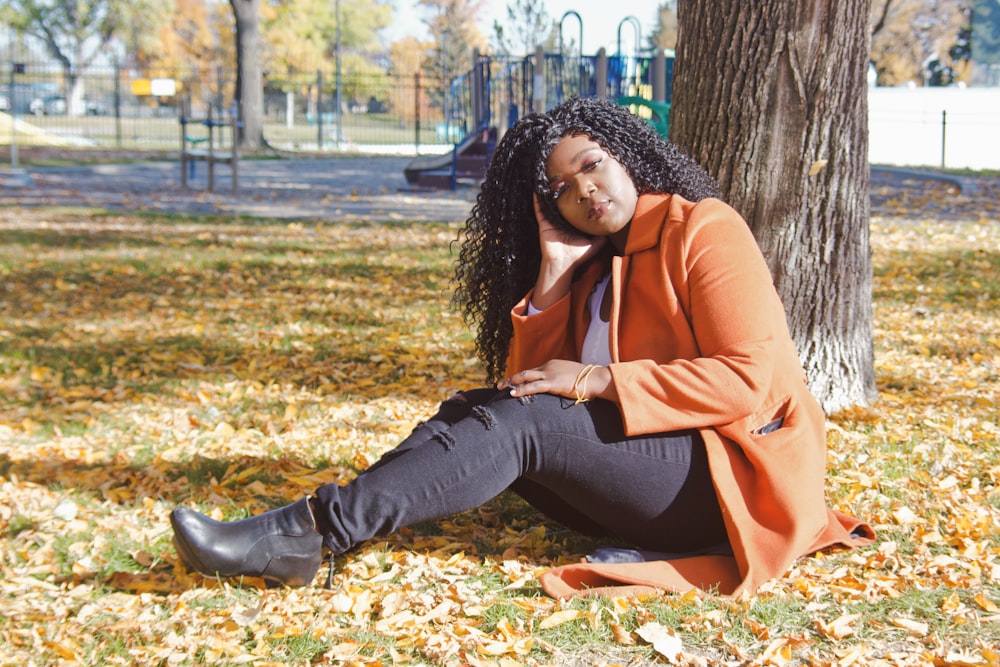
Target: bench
(192, 153)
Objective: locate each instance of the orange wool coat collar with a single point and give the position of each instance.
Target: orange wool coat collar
(770, 488)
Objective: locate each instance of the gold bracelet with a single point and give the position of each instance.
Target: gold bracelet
(584, 374)
(579, 376)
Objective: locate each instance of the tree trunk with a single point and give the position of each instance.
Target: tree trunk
(772, 98)
(249, 78)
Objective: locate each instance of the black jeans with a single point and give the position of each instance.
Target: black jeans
(572, 462)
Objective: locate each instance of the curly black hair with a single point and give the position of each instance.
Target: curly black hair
(500, 255)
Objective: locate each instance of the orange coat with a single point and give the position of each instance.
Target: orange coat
(699, 340)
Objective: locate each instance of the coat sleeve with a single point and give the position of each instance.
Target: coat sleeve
(735, 321)
(540, 337)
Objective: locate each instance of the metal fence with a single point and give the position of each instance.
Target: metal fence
(113, 107)
(381, 111)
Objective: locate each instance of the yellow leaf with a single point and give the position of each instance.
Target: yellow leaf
(952, 603)
(762, 631)
(777, 652)
(986, 603)
(244, 616)
(663, 639)
(225, 430)
(560, 617)
(840, 627)
(904, 516)
(621, 635)
(817, 167)
(913, 628)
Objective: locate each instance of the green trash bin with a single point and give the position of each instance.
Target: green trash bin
(660, 111)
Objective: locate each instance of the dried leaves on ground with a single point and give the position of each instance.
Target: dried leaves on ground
(235, 365)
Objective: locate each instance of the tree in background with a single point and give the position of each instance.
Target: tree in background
(780, 118)
(528, 25)
(249, 72)
(75, 33)
(665, 34)
(407, 55)
(186, 45)
(985, 39)
(149, 36)
(452, 24)
(300, 39)
(912, 39)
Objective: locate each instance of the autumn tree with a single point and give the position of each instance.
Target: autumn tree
(781, 119)
(187, 46)
(406, 55)
(300, 36)
(664, 35)
(910, 35)
(75, 33)
(452, 25)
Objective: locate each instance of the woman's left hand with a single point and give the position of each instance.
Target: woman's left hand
(558, 377)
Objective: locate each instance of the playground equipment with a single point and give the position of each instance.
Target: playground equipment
(659, 112)
(466, 163)
(498, 91)
(211, 155)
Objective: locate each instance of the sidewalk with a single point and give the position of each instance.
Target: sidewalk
(374, 188)
(341, 188)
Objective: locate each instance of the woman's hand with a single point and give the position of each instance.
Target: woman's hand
(562, 251)
(562, 248)
(562, 378)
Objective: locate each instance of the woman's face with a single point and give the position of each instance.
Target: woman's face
(593, 191)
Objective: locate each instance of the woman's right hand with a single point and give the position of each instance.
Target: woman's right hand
(562, 248)
(562, 251)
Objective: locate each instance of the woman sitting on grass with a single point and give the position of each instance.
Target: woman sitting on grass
(646, 385)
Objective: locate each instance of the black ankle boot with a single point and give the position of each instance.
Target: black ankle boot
(281, 545)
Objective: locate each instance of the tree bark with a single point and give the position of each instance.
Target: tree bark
(249, 76)
(772, 98)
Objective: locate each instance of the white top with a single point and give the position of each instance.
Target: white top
(596, 344)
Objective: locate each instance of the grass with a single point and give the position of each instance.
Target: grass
(233, 365)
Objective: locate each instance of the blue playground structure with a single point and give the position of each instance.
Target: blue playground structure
(498, 91)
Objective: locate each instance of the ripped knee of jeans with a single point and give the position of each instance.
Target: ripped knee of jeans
(446, 439)
(485, 417)
(457, 398)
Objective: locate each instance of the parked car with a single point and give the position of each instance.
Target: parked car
(56, 105)
(96, 107)
(51, 105)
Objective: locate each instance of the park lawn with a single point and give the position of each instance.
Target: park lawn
(233, 365)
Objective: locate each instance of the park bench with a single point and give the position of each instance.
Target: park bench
(192, 151)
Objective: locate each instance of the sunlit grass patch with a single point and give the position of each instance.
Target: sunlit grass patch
(234, 365)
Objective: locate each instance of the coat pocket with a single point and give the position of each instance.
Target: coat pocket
(771, 418)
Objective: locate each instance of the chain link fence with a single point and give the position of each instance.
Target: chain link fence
(114, 107)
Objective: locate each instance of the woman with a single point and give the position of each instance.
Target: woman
(647, 387)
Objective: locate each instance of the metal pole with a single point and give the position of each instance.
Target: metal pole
(13, 117)
(416, 111)
(319, 109)
(601, 72)
(340, 136)
(580, 45)
(638, 38)
(944, 133)
(118, 104)
(538, 80)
